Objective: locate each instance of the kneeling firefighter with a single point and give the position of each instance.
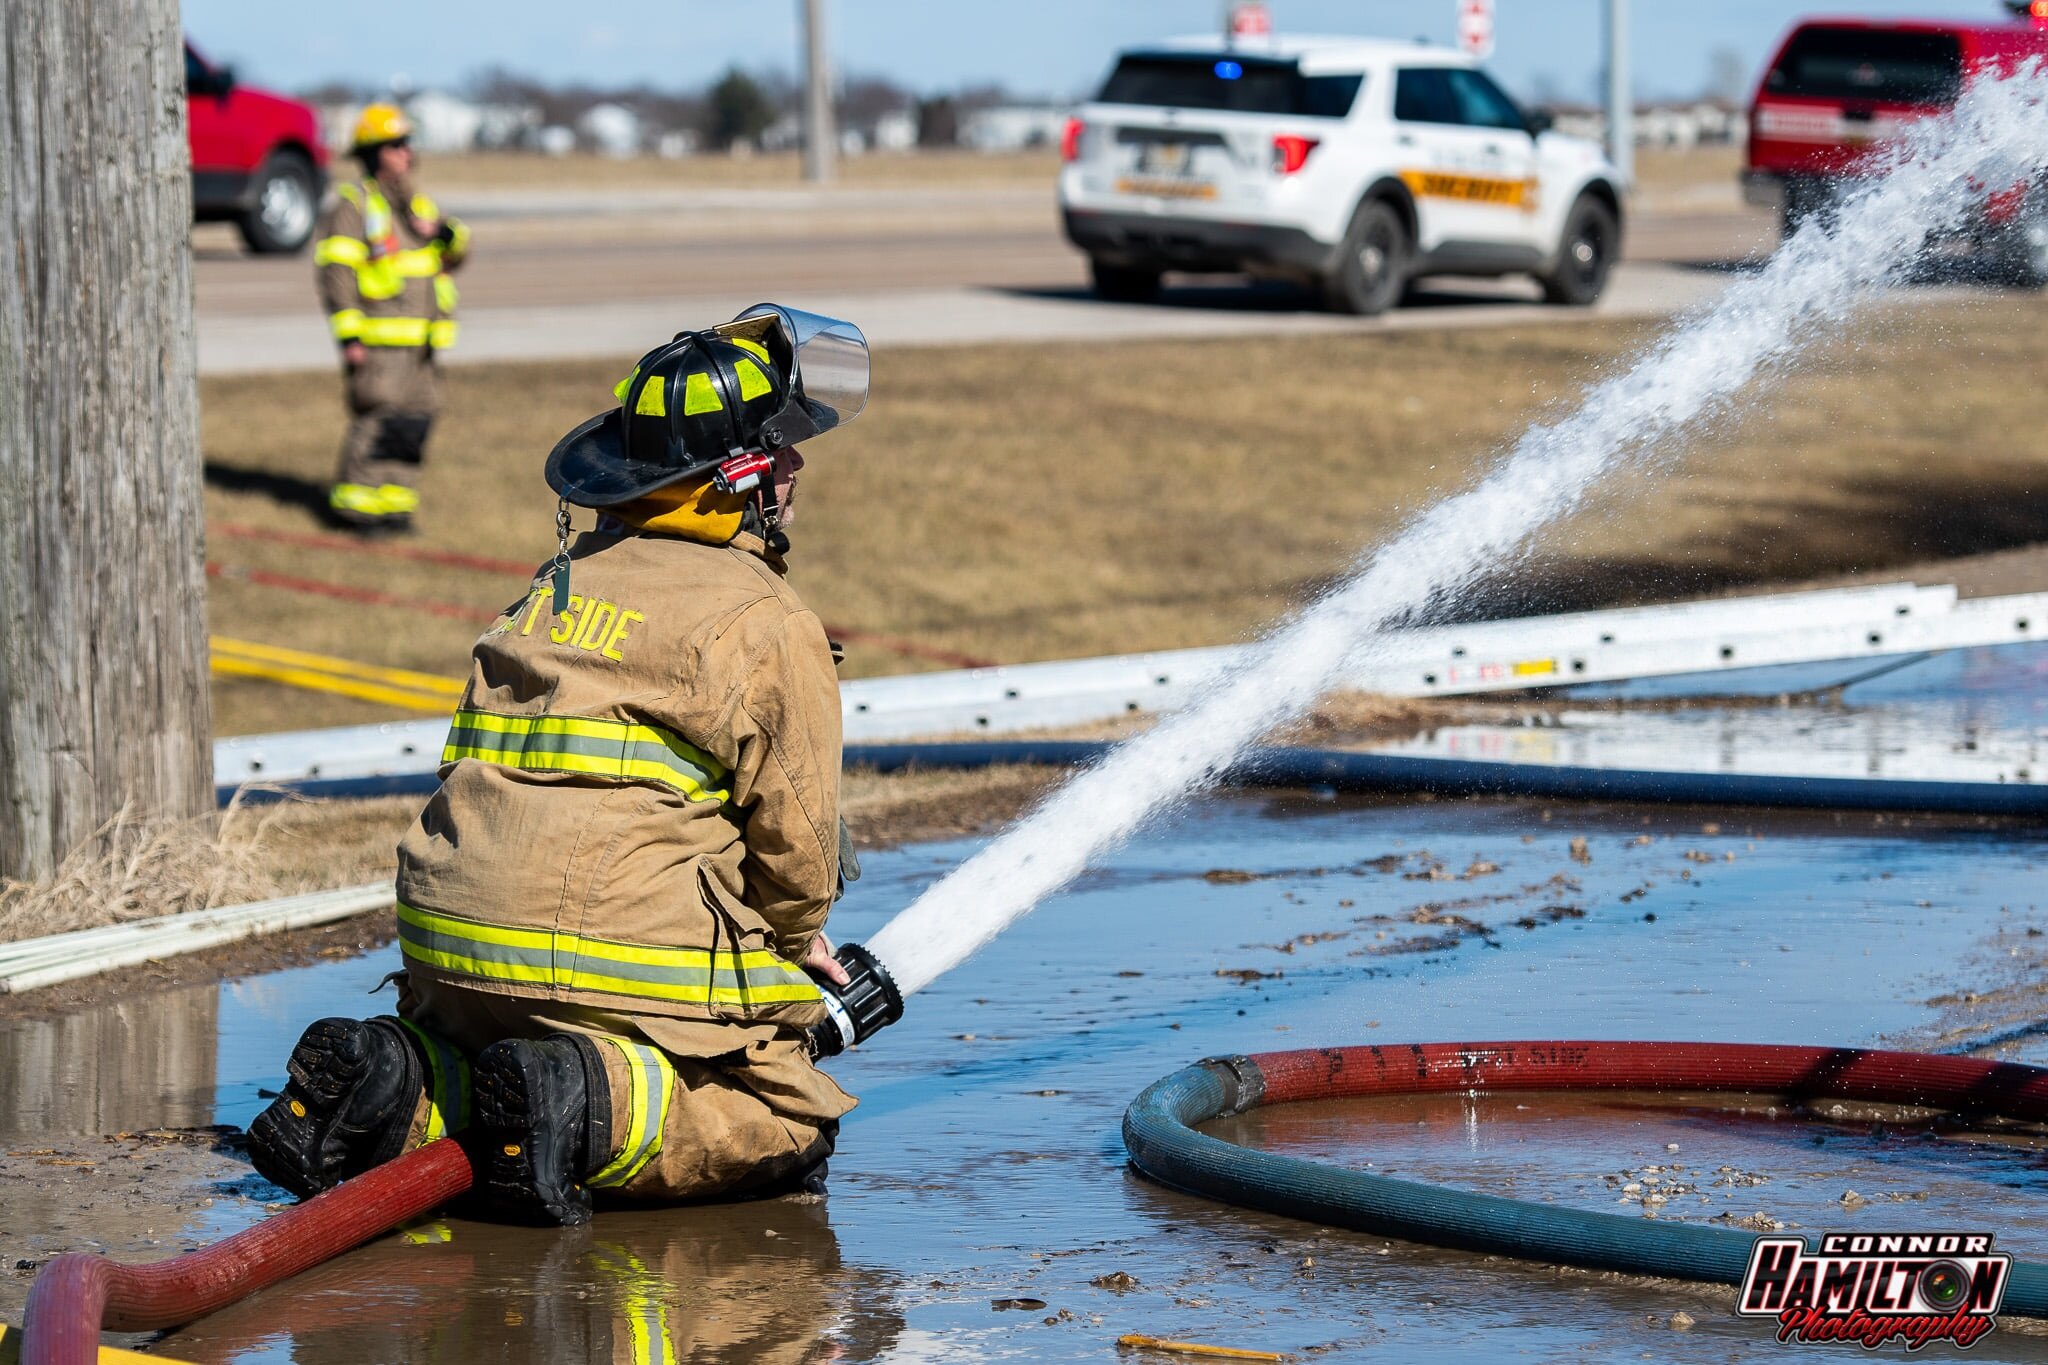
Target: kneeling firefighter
(608, 908)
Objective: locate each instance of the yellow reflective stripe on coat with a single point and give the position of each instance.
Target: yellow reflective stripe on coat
(347, 325)
(447, 1084)
(441, 334)
(616, 749)
(650, 1080)
(394, 331)
(560, 959)
(416, 262)
(446, 296)
(378, 280)
(340, 251)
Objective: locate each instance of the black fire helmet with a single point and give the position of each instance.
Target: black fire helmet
(704, 398)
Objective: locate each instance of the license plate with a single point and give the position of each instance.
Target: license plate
(1164, 158)
(1166, 188)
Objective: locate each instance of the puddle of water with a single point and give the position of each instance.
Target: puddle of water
(1976, 715)
(985, 1161)
(1722, 1159)
(139, 1063)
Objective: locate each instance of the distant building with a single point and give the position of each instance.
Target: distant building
(1700, 123)
(444, 122)
(895, 131)
(1012, 127)
(677, 143)
(786, 134)
(610, 129)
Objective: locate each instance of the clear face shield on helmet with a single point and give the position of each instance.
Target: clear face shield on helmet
(826, 360)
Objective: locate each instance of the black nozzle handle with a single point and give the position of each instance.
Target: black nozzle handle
(855, 1012)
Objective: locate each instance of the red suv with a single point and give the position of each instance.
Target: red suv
(257, 158)
(1839, 87)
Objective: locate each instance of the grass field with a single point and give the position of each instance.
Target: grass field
(1020, 503)
(460, 171)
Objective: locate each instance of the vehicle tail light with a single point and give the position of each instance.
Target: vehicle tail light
(2004, 205)
(1070, 140)
(1290, 153)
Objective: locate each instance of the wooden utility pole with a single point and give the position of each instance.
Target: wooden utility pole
(821, 137)
(103, 699)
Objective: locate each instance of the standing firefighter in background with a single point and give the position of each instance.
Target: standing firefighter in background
(608, 908)
(382, 264)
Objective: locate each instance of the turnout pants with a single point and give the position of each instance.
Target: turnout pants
(393, 398)
(697, 1109)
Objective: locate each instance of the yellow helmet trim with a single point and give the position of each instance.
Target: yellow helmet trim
(699, 396)
(652, 401)
(752, 382)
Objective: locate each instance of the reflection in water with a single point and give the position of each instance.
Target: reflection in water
(1679, 1156)
(984, 1161)
(144, 1062)
(757, 1281)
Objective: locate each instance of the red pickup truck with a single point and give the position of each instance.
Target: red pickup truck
(1838, 88)
(257, 158)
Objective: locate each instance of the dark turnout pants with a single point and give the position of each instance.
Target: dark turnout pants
(393, 398)
(697, 1110)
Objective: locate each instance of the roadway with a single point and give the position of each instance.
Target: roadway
(576, 274)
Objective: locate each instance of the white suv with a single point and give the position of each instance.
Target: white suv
(1354, 164)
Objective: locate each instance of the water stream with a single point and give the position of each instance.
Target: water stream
(1697, 373)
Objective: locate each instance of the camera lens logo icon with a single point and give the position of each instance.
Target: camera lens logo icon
(1944, 1285)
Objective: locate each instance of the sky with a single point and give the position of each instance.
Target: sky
(1545, 49)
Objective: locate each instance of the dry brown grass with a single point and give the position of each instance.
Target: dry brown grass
(1660, 171)
(135, 868)
(455, 173)
(1036, 502)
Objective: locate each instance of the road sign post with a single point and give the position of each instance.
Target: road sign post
(1475, 28)
(1247, 19)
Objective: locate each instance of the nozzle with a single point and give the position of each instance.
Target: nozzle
(855, 1012)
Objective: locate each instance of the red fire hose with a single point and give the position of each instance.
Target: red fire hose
(78, 1294)
(1161, 1132)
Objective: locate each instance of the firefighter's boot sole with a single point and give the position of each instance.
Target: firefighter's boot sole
(348, 1106)
(542, 1110)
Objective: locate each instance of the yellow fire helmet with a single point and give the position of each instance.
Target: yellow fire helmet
(381, 123)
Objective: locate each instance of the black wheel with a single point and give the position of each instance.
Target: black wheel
(287, 203)
(2021, 255)
(1372, 263)
(1124, 283)
(1803, 200)
(1585, 254)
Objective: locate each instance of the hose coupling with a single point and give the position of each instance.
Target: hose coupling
(855, 1012)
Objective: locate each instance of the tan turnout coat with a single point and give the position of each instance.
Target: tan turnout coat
(639, 798)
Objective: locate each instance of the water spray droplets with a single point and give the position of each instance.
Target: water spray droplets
(1939, 170)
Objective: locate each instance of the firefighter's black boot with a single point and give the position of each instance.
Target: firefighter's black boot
(544, 1115)
(355, 1084)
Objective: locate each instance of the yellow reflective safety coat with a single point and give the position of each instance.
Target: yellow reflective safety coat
(639, 797)
(382, 282)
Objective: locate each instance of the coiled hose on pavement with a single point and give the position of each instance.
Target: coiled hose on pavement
(1160, 1134)
(78, 1294)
